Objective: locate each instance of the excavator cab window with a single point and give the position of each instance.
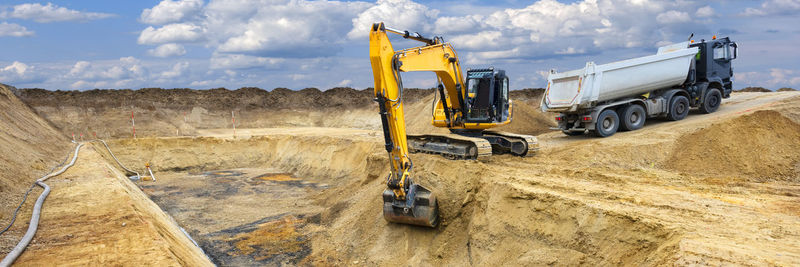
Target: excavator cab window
(480, 91)
(503, 107)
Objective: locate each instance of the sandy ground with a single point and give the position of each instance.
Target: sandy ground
(96, 216)
(718, 189)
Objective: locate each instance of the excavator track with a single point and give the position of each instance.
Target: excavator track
(451, 146)
(530, 142)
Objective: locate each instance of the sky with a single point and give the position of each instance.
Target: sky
(80, 45)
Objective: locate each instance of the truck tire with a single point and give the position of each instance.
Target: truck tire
(711, 101)
(607, 123)
(678, 108)
(632, 117)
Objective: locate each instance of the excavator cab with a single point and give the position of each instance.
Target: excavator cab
(487, 96)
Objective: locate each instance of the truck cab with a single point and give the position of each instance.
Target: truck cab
(713, 66)
(487, 96)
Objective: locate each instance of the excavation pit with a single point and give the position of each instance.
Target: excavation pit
(320, 200)
(267, 227)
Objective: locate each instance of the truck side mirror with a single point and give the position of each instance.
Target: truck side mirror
(735, 50)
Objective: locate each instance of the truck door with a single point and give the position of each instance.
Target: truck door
(723, 54)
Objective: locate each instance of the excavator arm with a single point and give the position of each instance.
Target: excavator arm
(404, 201)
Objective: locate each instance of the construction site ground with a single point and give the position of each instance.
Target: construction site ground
(715, 189)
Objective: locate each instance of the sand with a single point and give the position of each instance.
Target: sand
(716, 189)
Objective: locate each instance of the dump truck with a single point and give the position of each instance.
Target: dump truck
(602, 99)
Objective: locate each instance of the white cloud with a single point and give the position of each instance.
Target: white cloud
(345, 83)
(14, 30)
(705, 12)
(484, 39)
(80, 84)
(772, 79)
(294, 29)
(172, 33)
(16, 68)
(177, 70)
(297, 77)
(451, 25)
(673, 16)
(774, 7)
(397, 14)
(124, 68)
(79, 68)
(51, 13)
(238, 61)
(169, 11)
(784, 76)
(18, 72)
(570, 51)
(167, 50)
(262, 28)
(541, 29)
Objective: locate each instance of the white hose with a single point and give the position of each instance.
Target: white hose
(37, 209)
(115, 158)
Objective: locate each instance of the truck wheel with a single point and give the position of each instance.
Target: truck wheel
(632, 117)
(678, 108)
(607, 123)
(711, 101)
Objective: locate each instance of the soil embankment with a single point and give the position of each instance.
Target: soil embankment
(30, 148)
(182, 112)
(93, 216)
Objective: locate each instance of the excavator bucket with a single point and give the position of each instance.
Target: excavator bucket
(419, 207)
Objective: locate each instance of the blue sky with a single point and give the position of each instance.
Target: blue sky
(297, 44)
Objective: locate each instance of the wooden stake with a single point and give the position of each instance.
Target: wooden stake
(133, 124)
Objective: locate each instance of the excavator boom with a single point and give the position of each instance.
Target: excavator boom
(403, 201)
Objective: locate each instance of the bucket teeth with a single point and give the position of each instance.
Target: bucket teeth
(419, 208)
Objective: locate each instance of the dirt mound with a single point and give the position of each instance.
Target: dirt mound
(529, 120)
(527, 117)
(786, 89)
(763, 146)
(31, 147)
(531, 96)
(754, 89)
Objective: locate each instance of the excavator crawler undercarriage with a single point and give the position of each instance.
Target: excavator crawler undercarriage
(473, 145)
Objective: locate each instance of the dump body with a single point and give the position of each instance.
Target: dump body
(571, 90)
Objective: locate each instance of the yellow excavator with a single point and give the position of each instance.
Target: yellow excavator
(468, 107)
